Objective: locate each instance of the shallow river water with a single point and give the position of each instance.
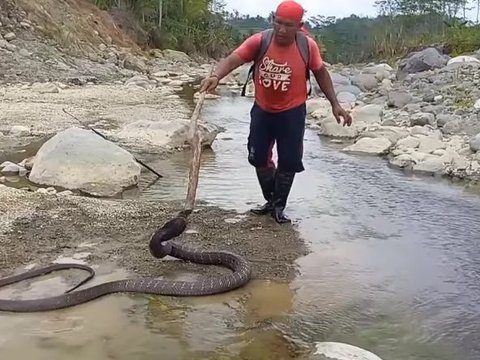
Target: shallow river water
(393, 269)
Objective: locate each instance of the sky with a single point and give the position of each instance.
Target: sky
(337, 8)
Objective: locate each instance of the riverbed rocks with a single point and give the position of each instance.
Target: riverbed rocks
(426, 120)
(78, 159)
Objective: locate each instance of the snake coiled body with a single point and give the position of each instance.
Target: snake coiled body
(159, 248)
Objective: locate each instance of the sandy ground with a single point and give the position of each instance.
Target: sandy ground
(38, 228)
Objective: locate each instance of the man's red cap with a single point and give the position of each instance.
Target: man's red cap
(291, 10)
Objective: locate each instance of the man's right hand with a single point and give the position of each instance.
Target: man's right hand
(208, 84)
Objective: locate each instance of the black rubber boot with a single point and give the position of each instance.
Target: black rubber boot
(283, 184)
(266, 179)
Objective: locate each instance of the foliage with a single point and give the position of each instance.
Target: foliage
(203, 26)
(193, 26)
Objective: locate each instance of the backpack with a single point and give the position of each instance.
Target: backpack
(267, 36)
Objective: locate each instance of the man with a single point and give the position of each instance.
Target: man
(279, 112)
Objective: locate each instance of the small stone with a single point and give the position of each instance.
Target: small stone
(19, 130)
(11, 169)
(11, 47)
(475, 143)
(9, 36)
(24, 53)
(476, 106)
(422, 119)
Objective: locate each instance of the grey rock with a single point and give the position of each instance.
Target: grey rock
(423, 60)
(399, 99)
(412, 108)
(432, 165)
(10, 36)
(346, 97)
(475, 143)
(78, 159)
(338, 79)
(402, 161)
(348, 88)
(24, 53)
(442, 119)
(422, 119)
(374, 146)
(434, 109)
(365, 82)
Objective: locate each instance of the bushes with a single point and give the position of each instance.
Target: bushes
(463, 39)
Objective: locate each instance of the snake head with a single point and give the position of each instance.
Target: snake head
(159, 245)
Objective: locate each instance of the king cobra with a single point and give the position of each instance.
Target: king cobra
(160, 246)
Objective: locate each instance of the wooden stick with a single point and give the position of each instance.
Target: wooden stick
(196, 145)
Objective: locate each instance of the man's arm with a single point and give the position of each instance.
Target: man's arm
(227, 65)
(246, 52)
(325, 82)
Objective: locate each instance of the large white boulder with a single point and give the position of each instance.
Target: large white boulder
(78, 159)
(166, 133)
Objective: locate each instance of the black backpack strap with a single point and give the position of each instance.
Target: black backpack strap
(267, 36)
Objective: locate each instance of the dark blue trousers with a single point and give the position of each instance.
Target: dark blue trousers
(286, 129)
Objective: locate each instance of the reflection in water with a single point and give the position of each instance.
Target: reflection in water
(393, 269)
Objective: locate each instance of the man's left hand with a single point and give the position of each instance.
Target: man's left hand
(339, 113)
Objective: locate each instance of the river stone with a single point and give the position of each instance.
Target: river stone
(19, 130)
(429, 144)
(368, 145)
(348, 88)
(338, 79)
(408, 142)
(78, 159)
(463, 59)
(412, 108)
(141, 81)
(315, 104)
(373, 69)
(346, 97)
(430, 165)
(392, 133)
(166, 133)
(399, 99)
(329, 127)
(476, 106)
(402, 161)
(423, 60)
(10, 36)
(452, 127)
(9, 168)
(442, 119)
(368, 114)
(475, 143)
(365, 82)
(176, 56)
(340, 351)
(422, 119)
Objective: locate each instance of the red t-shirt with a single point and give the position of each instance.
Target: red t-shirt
(280, 82)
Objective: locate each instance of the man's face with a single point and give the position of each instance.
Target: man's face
(285, 30)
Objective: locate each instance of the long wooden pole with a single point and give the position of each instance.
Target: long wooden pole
(195, 140)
